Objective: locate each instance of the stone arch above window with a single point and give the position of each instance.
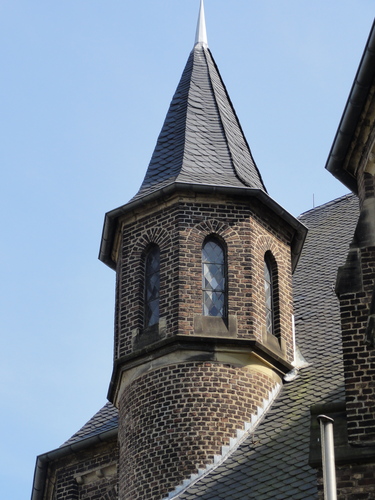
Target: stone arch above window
(214, 278)
(157, 235)
(134, 259)
(212, 226)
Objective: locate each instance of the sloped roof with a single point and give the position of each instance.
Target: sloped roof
(201, 147)
(272, 463)
(201, 141)
(104, 420)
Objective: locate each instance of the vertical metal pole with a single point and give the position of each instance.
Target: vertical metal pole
(328, 456)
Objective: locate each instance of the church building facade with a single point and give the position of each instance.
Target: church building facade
(218, 292)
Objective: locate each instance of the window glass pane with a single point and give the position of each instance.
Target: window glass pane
(212, 252)
(213, 303)
(213, 276)
(213, 279)
(268, 292)
(152, 286)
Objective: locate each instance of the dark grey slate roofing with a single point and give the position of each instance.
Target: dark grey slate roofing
(201, 141)
(104, 420)
(272, 463)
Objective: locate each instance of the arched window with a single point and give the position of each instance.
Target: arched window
(269, 286)
(213, 278)
(152, 286)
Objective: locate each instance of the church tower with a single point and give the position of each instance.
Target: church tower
(204, 321)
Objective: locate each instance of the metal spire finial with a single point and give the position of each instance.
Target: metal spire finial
(201, 35)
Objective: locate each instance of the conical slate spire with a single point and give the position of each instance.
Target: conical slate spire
(201, 141)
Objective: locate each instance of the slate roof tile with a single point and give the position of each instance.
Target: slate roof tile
(201, 141)
(104, 420)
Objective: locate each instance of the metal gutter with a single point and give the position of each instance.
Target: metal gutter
(352, 112)
(42, 461)
(110, 220)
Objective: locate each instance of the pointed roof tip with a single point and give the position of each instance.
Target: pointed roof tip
(201, 34)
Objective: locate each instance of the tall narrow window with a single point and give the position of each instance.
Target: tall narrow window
(152, 286)
(213, 279)
(269, 296)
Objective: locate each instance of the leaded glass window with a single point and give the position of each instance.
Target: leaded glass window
(213, 279)
(268, 291)
(152, 286)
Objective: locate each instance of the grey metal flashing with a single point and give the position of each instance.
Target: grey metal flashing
(112, 217)
(42, 461)
(353, 109)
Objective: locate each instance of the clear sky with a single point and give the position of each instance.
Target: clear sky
(85, 86)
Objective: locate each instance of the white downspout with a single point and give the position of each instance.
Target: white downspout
(328, 457)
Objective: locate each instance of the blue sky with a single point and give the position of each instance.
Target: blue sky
(84, 91)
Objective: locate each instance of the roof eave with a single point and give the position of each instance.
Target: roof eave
(351, 115)
(112, 217)
(42, 461)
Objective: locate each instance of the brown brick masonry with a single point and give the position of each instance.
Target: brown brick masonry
(174, 420)
(179, 229)
(86, 475)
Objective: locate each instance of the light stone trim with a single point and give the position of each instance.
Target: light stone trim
(239, 357)
(93, 475)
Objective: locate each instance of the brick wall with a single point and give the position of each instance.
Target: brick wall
(354, 482)
(176, 418)
(86, 475)
(248, 231)
(366, 186)
(359, 359)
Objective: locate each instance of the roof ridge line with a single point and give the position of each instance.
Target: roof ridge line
(236, 172)
(329, 203)
(192, 54)
(221, 116)
(205, 48)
